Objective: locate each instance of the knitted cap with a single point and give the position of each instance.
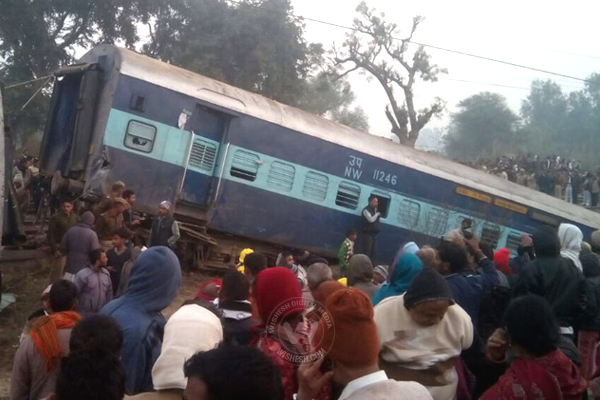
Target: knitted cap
(277, 289)
(326, 289)
(166, 204)
(353, 339)
(429, 285)
(382, 270)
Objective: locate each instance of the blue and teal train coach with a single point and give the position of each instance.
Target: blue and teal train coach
(251, 167)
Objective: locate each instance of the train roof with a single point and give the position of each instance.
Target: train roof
(244, 102)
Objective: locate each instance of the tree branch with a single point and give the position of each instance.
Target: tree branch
(59, 26)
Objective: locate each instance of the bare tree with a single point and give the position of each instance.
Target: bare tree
(387, 59)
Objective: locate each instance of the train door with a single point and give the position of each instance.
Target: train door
(207, 129)
(68, 134)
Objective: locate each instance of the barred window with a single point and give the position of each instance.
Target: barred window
(203, 155)
(281, 176)
(437, 220)
(491, 234)
(348, 195)
(315, 186)
(245, 165)
(513, 241)
(409, 213)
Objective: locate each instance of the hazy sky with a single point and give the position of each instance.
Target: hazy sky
(556, 36)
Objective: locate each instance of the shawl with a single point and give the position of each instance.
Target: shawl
(44, 332)
(551, 377)
(407, 268)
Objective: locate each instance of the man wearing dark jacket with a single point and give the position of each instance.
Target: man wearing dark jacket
(467, 287)
(165, 230)
(371, 217)
(554, 278)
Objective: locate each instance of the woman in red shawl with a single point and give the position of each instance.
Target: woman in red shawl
(283, 333)
(540, 371)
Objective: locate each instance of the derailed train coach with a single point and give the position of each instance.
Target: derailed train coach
(242, 164)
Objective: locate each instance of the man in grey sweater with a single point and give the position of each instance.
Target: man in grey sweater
(79, 241)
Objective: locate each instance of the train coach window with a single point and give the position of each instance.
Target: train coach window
(513, 241)
(203, 155)
(140, 136)
(437, 222)
(491, 233)
(347, 195)
(245, 165)
(315, 186)
(281, 176)
(384, 203)
(409, 213)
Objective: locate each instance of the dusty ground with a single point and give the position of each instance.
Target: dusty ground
(28, 286)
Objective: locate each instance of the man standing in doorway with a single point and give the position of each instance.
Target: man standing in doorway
(371, 226)
(165, 230)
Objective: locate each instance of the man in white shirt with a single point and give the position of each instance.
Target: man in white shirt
(353, 346)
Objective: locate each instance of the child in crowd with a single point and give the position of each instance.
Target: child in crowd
(118, 256)
(380, 274)
(94, 284)
(346, 250)
(235, 305)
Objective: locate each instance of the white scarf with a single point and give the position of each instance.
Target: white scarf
(570, 238)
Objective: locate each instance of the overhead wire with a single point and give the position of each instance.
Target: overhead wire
(27, 82)
(463, 53)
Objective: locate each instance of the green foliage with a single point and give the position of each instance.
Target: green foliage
(483, 125)
(257, 45)
(254, 45)
(37, 37)
(390, 62)
(553, 123)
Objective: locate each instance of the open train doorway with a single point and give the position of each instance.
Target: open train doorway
(69, 128)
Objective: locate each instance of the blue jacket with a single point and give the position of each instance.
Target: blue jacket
(469, 289)
(153, 284)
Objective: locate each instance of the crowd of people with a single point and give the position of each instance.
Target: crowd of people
(453, 321)
(556, 176)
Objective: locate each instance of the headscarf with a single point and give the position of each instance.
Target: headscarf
(408, 267)
(241, 259)
(209, 289)
(190, 330)
(502, 261)
(429, 285)
(570, 238)
(44, 333)
(276, 288)
(410, 247)
(360, 269)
